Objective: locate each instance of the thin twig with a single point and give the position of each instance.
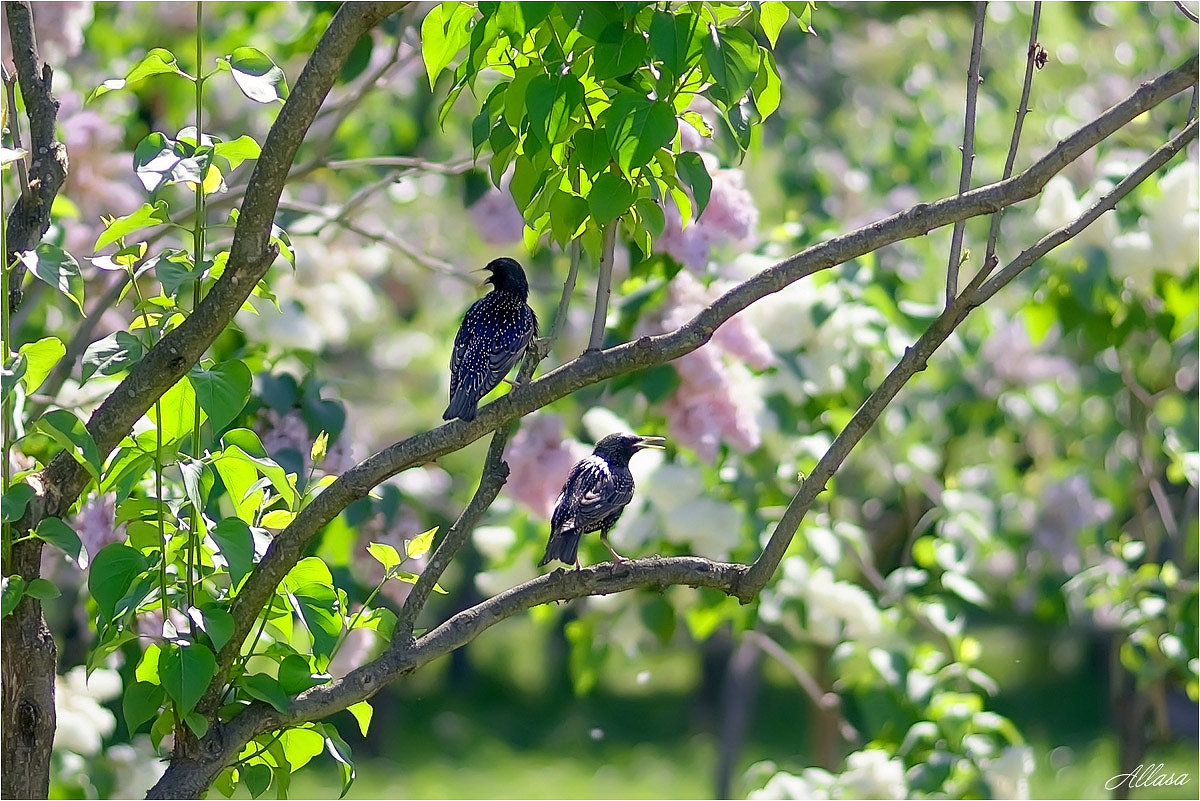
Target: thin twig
(603, 287)
(411, 162)
(1031, 62)
(564, 301)
(14, 127)
(968, 149)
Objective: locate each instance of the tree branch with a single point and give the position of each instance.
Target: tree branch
(968, 148)
(594, 366)
(30, 217)
(603, 288)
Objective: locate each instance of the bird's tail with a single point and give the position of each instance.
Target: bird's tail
(563, 546)
(460, 406)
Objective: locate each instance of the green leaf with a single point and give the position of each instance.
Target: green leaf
(11, 594)
(175, 412)
(619, 51)
(193, 473)
(42, 590)
(222, 390)
(669, 35)
(40, 358)
(159, 160)
(257, 777)
(610, 197)
(235, 542)
(568, 213)
(340, 751)
(158, 61)
(215, 622)
(295, 676)
(278, 518)
(61, 536)
(319, 448)
(731, 56)
(112, 573)
(197, 723)
(10, 154)
(237, 151)
(301, 745)
(740, 119)
(652, 216)
(140, 702)
(257, 76)
(693, 173)
(69, 432)
(363, 713)
(636, 128)
(185, 671)
(550, 103)
(766, 87)
(57, 268)
(385, 555)
(147, 666)
(773, 15)
(114, 353)
(15, 501)
(419, 545)
(265, 688)
(965, 588)
(147, 216)
(444, 31)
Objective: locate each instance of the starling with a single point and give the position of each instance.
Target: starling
(597, 491)
(494, 333)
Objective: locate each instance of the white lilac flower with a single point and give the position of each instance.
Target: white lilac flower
(1016, 361)
(838, 610)
(810, 784)
(540, 456)
(873, 774)
(1008, 774)
(135, 767)
(82, 722)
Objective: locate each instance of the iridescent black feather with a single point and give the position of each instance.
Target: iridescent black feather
(493, 336)
(596, 493)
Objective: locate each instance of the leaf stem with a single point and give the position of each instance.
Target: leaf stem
(193, 548)
(603, 287)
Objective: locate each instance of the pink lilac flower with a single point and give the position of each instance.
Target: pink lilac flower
(95, 523)
(290, 431)
(729, 217)
(716, 401)
(540, 456)
(99, 181)
(58, 28)
(496, 217)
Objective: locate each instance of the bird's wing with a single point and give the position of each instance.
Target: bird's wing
(590, 495)
(461, 343)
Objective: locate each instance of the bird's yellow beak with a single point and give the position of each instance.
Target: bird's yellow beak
(655, 443)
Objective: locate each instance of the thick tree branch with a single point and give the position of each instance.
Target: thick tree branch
(30, 217)
(594, 366)
(968, 148)
(250, 256)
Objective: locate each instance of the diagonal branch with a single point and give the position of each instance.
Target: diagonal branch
(594, 366)
(968, 148)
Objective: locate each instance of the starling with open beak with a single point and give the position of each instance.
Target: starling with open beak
(493, 336)
(596, 493)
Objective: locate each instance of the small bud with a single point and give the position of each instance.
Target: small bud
(317, 454)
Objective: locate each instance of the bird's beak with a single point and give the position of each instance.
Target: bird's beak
(655, 443)
(486, 281)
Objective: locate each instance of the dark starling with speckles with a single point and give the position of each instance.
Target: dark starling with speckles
(494, 334)
(596, 493)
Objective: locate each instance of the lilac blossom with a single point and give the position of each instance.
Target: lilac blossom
(280, 432)
(496, 217)
(96, 525)
(729, 218)
(541, 456)
(58, 28)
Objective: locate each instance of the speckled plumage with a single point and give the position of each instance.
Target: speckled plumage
(494, 334)
(595, 494)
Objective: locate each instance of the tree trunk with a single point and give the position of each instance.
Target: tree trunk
(29, 662)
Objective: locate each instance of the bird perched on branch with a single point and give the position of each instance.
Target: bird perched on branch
(494, 334)
(596, 493)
